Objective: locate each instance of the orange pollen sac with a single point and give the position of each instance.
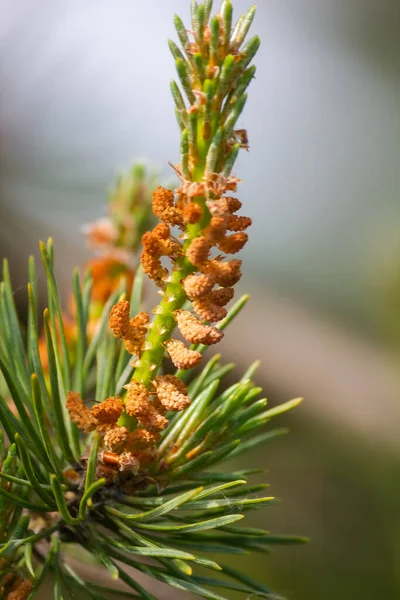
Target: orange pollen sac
(115, 439)
(209, 311)
(223, 206)
(131, 331)
(195, 331)
(222, 296)
(136, 401)
(196, 286)
(152, 244)
(164, 208)
(171, 392)
(218, 207)
(158, 406)
(226, 273)
(198, 251)
(153, 420)
(161, 231)
(192, 213)
(103, 427)
(158, 243)
(137, 405)
(162, 200)
(182, 357)
(108, 411)
(119, 319)
(80, 414)
(153, 268)
(216, 229)
(140, 321)
(141, 439)
(171, 247)
(233, 243)
(236, 223)
(135, 341)
(233, 204)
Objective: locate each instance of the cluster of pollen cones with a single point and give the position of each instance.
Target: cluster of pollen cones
(207, 284)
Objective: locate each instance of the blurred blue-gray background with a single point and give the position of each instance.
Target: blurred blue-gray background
(85, 92)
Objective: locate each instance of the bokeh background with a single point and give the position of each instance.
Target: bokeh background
(85, 92)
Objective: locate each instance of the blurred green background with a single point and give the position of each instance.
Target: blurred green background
(85, 92)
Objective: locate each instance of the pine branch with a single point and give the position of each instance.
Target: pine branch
(107, 452)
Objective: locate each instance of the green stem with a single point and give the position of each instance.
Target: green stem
(164, 323)
(173, 299)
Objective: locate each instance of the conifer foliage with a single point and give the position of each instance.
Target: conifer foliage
(115, 426)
